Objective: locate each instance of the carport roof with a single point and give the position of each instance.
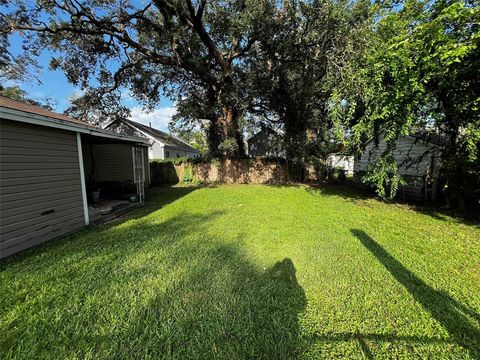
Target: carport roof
(23, 112)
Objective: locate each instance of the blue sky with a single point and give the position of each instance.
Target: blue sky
(54, 85)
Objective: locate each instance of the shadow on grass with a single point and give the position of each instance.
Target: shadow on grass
(169, 288)
(361, 338)
(157, 198)
(453, 316)
(358, 195)
(225, 309)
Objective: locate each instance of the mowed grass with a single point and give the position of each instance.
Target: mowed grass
(250, 271)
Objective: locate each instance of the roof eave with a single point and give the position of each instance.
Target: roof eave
(35, 119)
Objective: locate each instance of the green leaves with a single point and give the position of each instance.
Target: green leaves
(421, 69)
(383, 174)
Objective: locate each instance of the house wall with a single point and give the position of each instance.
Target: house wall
(265, 143)
(40, 188)
(121, 128)
(113, 162)
(176, 153)
(415, 158)
(341, 162)
(157, 151)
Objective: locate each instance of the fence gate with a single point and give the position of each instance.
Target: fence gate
(139, 171)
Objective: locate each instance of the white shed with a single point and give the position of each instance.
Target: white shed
(418, 157)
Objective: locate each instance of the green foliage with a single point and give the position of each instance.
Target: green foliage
(296, 68)
(228, 147)
(327, 75)
(97, 108)
(188, 50)
(383, 175)
(175, 161)
(420, 71)
(188, 174)
(16, 93)
(195, 137)
(13, 92)
(180, 160)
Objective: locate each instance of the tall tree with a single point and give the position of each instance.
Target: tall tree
(421, 71)
(169, 46)
(296, 68)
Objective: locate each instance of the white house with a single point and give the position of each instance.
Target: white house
(340, 161)
(162, 145)
(418, 157)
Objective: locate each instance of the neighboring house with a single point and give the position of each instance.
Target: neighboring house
(267, 142)
(162, 145)
(418, 156)
(340, 161)
(50, 166)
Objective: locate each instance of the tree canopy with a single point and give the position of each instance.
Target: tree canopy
(181, 48)
(330, 74)
(16, 93)
(421, 71)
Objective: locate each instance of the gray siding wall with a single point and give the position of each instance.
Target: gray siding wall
(40, 189)
(114, 162)
(416, 157)
(407, 149)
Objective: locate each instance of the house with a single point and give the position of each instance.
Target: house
(341, 161)
(418, 158)
(53, 171)
(162, 145)
(267, 143)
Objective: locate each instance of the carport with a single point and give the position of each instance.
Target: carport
(116, 173)
(59, 174)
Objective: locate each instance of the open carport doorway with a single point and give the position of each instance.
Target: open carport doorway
(116, 173)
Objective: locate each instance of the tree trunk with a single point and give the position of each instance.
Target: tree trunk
(214, 135)
(225, 136)
(452, 161)
(230, 132)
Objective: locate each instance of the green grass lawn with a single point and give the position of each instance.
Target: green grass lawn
(250, 271)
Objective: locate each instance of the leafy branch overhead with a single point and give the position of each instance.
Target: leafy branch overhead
(164, 47)
(329, 75)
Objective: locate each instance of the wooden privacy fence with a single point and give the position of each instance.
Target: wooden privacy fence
(255, 171)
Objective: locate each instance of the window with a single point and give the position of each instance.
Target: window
(178, 155)
(167, 154)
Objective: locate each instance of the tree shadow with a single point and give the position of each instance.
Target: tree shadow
(362, 337)
(162, 195)
(161, 289)
(347, 192)
(163, 173)
(461, 322)
(225, 309)
(359, 195)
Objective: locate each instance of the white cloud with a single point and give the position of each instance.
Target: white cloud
(160, 117)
